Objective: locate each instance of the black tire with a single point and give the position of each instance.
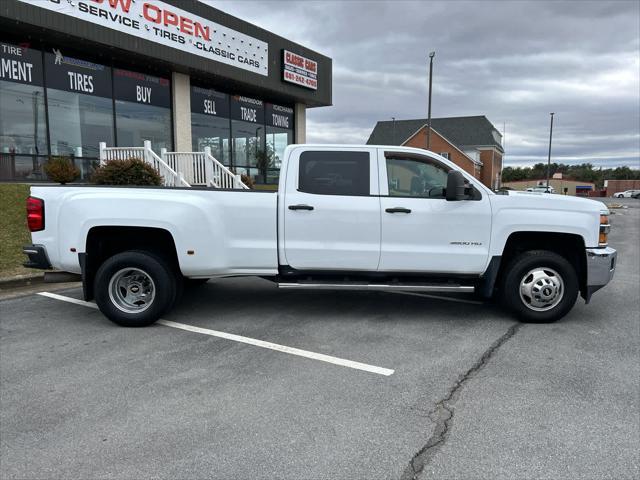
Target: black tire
(140, 270)
(546, 306)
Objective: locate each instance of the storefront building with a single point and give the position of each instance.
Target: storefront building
(180, 74)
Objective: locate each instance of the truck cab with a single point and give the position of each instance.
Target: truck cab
(382, 210)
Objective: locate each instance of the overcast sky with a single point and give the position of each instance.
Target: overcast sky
(512, 61)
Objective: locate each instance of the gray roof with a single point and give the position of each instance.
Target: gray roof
(463, 132)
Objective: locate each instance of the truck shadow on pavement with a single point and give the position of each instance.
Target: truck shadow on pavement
(222, 300)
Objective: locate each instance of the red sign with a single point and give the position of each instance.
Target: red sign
(169, 25)
(299, 70)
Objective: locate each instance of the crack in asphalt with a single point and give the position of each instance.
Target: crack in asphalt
(442, 413)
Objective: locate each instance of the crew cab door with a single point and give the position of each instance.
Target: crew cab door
(421, 230)
(331, 210)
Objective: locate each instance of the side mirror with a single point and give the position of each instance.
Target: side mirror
(455, 186)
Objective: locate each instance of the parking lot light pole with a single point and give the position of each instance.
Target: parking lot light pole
(549, 158)
(431, 55)
(394, 129)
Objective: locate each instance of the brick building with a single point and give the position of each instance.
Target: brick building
(562, 186)
(472, 143)
(614, 186)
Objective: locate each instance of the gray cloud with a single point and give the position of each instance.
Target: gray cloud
(509, 60)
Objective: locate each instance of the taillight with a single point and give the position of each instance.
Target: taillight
(35, 214)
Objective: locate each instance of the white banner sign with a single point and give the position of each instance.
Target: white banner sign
(162, 23)
(299, 70)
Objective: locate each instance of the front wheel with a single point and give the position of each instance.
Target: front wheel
(134, 288)
(620, 196)
(540, 286)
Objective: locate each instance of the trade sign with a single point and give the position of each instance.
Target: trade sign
(247, 109)
(168, 25)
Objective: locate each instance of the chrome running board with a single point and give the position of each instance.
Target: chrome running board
(380, 286)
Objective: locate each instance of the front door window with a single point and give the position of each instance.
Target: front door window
(414, 178)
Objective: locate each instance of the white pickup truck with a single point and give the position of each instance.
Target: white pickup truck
(344, 217)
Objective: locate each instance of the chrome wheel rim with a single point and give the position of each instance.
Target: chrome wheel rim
(132, 290)
(541, 289)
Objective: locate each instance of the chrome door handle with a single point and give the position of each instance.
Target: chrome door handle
(398, 210)
(300, 207)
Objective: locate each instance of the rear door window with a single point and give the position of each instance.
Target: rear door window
(334, 173)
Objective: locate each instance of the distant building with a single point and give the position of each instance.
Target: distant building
(472, 143)
(563, 186)
(613, 186)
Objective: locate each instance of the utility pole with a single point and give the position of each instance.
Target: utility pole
(504, 150)
(549, 158)
(394, 130)
(431, 55)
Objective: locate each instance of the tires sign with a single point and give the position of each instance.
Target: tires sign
(75, 75)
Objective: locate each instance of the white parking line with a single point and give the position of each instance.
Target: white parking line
(251, 341)
(55, 296)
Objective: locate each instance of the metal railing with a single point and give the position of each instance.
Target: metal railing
(178, 169)
(202, 168)
(190, 164)
(170, 177)
(120, 153)
(221, 175)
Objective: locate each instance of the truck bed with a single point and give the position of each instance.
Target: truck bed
(194, 217)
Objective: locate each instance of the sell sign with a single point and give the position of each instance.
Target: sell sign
(168, 25)
(299, 70)
(209, 102)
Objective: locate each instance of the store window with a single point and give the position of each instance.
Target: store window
(23, 135)
(79, 107)
(279, 125)
(210, 126)
(248, 137)
(143, 110)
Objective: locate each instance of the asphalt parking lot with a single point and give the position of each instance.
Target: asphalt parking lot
(440, 389)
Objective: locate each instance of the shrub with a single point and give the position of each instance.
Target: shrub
(61, 170)
(131, 171)
(247, 180)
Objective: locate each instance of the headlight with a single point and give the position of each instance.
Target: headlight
(604, 230)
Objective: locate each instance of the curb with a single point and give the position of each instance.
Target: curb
(23, 280)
